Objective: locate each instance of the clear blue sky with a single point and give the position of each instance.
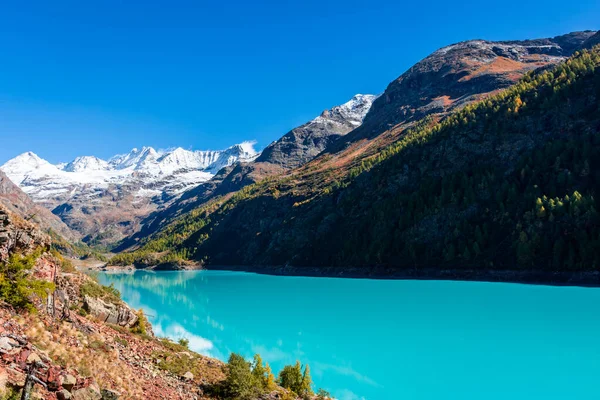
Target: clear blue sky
(101, 77)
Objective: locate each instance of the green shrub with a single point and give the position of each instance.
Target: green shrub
(98, 291)
(10, 393)
(140, 325)
(240, 383)
(292, 377)
(17, 287)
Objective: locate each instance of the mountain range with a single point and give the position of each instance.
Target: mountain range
(352, 187)
(103, 200)
(446, 80)
(105, 197)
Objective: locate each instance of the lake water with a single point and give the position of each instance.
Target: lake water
(377, 339)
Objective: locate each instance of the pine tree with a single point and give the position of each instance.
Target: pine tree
(269, 383)
(290, 377)
(305, 390)
(466, 254)
(476, 249)
(258, 371)
(239, 382)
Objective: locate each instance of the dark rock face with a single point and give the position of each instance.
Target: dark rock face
(592, 41)
(458, 74)
(15, 200)
(305, 142)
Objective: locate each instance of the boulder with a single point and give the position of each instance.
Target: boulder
(87, 393)
(117, 314)
(68, 381)
(108, 394)
(33, 357)
(188, 376)
(7, 343)
(63, 395)
(18, 235)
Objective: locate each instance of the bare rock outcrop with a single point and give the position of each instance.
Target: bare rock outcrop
(117, 314)
(18, 235)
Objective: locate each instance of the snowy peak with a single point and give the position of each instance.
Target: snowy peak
(135, 158)
(86, 163)
(305, 142)
(180, 159)
(243, 152)
(29, 160)
(152, 172)
(353, 111)
(20, 167)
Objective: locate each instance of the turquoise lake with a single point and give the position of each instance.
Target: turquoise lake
(378, 339)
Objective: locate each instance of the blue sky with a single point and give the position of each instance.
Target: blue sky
(101, 77)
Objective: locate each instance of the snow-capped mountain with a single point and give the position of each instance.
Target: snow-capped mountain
(142, 179)
(170, 171)
(352, 112)
(86, 163)
(105, 200)
(305, 142)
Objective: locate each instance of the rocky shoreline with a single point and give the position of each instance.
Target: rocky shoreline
(105, 267)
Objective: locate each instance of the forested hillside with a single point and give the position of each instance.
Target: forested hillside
(508, 182)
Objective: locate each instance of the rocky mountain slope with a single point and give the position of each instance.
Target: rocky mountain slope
(292, 150)
(458, 74)
(15, 200)
(448, 79)
(104, 200)
(305, 142)
(591, 41)
(507, 182)
(64, 336)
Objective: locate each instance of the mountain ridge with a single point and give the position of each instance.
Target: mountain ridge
(510, 180)
(295, 148)
(457, 74)
(104, 199)
(446, 80)
(17, 201)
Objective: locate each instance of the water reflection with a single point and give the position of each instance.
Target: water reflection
(221, 312)
(385, 339)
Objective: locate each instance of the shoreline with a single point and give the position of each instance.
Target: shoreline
(531, 277)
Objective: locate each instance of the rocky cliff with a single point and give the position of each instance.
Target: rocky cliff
(18, 235)
(458, 74)
(591, 41)
(305, 142)
(15, 200)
